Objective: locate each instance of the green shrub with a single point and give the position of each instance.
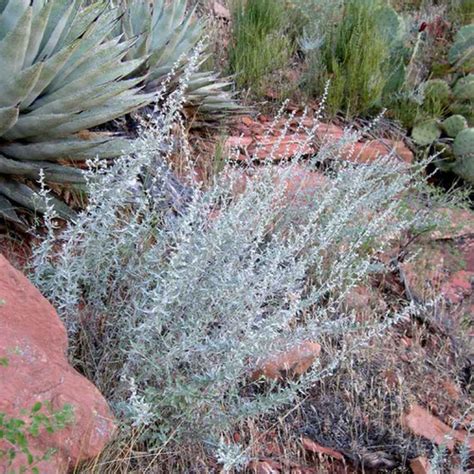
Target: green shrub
(355, 52)
(258, 46)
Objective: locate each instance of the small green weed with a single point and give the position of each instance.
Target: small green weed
(15, 432)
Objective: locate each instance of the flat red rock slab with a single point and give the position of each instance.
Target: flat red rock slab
(263, 139)
(422, 423)
(316, 448)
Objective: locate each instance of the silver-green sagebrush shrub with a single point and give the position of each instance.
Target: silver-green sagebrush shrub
(171, 301)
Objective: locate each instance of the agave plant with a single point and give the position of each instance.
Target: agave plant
(70, 65)
(167, 35)
(60, 73)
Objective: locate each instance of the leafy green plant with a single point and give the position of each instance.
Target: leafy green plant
(15, 432)
(258, 46)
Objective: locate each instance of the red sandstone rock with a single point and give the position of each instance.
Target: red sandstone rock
(291, 363)
(299, 182)
(370, 151)
(456, 223)
(422, 423)
(458, 286)
(238, 142)
(420, 465)
(316, 448)
(435, 270)
(265, 467)
(34, 341)
(279, 148)
(260, 144)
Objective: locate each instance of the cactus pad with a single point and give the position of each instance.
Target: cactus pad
(463, 146)
(463, 48)
(437, 91)
(464, 109)
(464, 88)
(426, 133)
(391, 23)
(454, 124)
(465, 169)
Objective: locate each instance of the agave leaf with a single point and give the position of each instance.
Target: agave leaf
(202, 80)
(52, 172)
(77, 5)
(95, 34)
(11, 14)
(82, 21)
(14, 45)
(163, 59)
(142, 35)
(224, 106)
(58, 9)
(162, 63)
(7, 210)
(38, 26)
(209, 90)
(53, 39)
(140, 49)
(28, 196)
(138, 14)
(212, 100)
(87, 98)
(53, 150)
(104, 54)
(38, 5)
(49, 70)
(74, 149)
(3, 4)
(60, 124)
(28, 126)
(8, 117)
(19, 86)
(101, 75)
(165, 21)
(119, 105)
(111, 149)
